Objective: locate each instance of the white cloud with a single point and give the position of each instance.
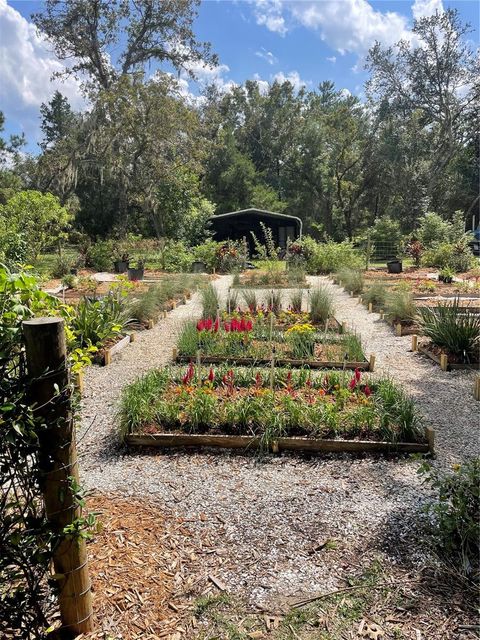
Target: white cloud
(269, 14)
(293, 77)
(26, 67)
(332, 59)
(263, 85)
(348, 26)
(267, 56)
(425, 8)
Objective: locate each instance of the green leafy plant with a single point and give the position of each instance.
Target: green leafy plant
(329, 257)
(452, 328)
(456, 515)
(321, 305)
(274, 301)
(301, 338)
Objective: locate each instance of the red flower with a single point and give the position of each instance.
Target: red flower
(367, 391)
(249, 325)
(226, 326)
(242, 324)
(357, 375)
(208, 324)
(211, 375)
(352, 384)
(258, 380)
(188, 374)
(216, 325)
(308, 383)
(200, 325)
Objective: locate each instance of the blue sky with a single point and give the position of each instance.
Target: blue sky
(305, 41)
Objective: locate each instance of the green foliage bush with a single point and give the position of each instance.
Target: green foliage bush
(208, 254)
(37, 217)
(98, 255)
(175, 257)
(456, 515)
(386, 237)
(458, 256)
(329, 257)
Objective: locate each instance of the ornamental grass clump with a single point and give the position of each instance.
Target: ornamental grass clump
(351, 280)
(452, 328)
(296, 301)
(250, 299)
(400, 306)
(210, 301)
(321, 305)
(375, 295)
(275, 301)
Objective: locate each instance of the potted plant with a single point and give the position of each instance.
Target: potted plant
(446, 275)
(394, 266)
(122, 263)
(138, 272)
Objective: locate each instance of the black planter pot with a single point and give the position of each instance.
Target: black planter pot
(135, 274)
(199, 267)
(120, 266)
(394, 266)
(445, 279)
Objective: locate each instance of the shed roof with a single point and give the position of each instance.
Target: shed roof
(271, 214)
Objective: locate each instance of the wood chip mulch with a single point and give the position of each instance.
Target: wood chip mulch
(141, 564)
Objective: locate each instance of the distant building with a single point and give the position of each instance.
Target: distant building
(239, 224)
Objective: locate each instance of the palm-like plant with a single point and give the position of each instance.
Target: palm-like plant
(451, 328)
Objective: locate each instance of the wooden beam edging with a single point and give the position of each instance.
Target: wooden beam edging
(285, 444)
(116, 348)
(450, 366)
(311, 364)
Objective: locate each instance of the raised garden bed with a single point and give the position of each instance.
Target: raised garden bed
(113, 346)
(248, 341)
(271, 411)
(259, 279)
(445, 361)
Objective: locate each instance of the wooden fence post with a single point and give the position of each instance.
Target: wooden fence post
(49, 390)
(476, 388)
(444, 361)
(414, 342)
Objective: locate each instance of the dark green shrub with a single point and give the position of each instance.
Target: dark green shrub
(329, 257)
(400, 306)
(376, 295)
(99, 256)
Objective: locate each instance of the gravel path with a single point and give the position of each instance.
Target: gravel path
(264, 517)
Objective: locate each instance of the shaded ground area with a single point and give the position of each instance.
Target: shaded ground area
(273, 531)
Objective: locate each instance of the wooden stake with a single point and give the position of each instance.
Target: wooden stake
(476, 389)
(174, 353)
(108, 358)
(132, 336)
(370, 307)
(414, 342)
(382, 314)
(430, 436)
(174, 304)
(79, 382)
(47, 368)
(275, 447)
(371, 365)
(199, 365)
(150, 323)
(351, 294)
(398, 328)
(444, 362)
(271, 326)
(272, 371)
(344, 326)
(164, 313)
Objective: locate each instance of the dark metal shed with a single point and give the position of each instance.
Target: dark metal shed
(239, 224)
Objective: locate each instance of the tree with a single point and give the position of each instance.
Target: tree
(57, 120)
(107, 39)
(37, 217)
(432, 79)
